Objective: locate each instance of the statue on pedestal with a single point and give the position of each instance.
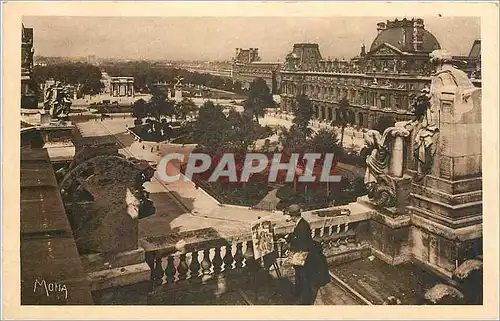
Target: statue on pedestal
(384, 163)
(57, 100)
(426, 127)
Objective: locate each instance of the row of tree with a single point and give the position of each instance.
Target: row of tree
(146, 74)
(87, 75)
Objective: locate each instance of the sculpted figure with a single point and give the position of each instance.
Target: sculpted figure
(425, 125)
(378, 184)
(57, 100)
(384, 163)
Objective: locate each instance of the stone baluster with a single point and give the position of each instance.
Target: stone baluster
(344, 236)
(228, 258)
(206, 264)
(159, 273)
(396, 159)
(324, 231)
(250, 261)
(170, 270)
(182, 268)
(194, 266)
(352, 233)
(217, 260)
(150, 260)
(317, 234)
(336, 237)
(238, 256)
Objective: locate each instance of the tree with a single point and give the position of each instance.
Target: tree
(211, 128)
(159, 106)
(303, 113)
(139, 109)
(87, 75)
(244, 131)
(292, 140)
(185, 108)
(324, 141)
(343, 108)
(259, 98)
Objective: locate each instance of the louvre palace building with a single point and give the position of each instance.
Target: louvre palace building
(378, 82)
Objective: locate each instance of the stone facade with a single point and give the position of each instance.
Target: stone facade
(28, 87)
(247, 66)
(376, 83)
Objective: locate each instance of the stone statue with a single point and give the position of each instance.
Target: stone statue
(425, 125)
(57, 100)
(178, 83)
(384, 163)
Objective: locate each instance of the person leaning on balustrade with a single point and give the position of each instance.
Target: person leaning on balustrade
(307, 258)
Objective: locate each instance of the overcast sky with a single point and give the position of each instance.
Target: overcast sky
(210, 38)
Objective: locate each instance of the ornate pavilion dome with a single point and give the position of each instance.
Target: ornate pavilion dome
(405, 35)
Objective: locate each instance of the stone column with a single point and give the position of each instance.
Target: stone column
(396, 160)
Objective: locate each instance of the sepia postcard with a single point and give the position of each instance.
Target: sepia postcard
(250, 160)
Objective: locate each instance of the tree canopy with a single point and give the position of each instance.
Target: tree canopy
(211, 128)
(324, 141)
(87, 75)
(259, 98)
(303, 114)
(147, 73)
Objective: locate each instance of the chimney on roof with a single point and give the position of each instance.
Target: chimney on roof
(418, 34)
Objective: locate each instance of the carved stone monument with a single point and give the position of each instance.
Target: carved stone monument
(424, 177)
(447, 192)
(388, 193)
(53, 125)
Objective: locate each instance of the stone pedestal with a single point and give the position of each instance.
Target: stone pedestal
(389, 232)
(178, 95)
(56, 136)
(446, 204)
(106, 271)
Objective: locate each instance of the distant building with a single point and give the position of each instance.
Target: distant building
(375, 84)
(92, 60)
(247, 66)
(28, 87)
(121, 86)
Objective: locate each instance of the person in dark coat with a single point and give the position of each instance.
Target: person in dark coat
(313, 274)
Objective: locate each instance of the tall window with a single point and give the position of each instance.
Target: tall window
(372, 99)
(383, 102)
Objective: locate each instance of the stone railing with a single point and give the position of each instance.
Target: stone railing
(174, 263)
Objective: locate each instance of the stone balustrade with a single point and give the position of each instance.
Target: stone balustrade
(209, 257)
